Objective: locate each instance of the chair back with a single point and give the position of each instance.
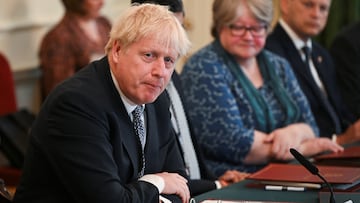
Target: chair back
(8, 102)
(5, 196)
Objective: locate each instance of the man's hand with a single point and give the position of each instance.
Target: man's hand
(352, 134)
(175, 184)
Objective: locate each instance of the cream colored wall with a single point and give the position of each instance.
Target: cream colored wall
(198, 13)
(24, 22)
(198, 23)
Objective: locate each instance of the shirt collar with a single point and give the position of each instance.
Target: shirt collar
(299, 44)
(129, 105)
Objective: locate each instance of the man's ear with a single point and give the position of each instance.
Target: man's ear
(283, 7)
(115, 51)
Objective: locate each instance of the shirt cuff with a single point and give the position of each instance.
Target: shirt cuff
(218, 184)
(334, 138)
(155, 180)
(164, 200)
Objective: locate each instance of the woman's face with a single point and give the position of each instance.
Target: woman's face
(246, 37)
(92, 7)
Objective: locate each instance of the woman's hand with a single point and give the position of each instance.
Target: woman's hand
(291, 136)
(315, 146)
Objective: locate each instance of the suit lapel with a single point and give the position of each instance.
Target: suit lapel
(305, 75)
(151, 131)
(293, 56)
(125, 125)
(320, 68)
(130, 143)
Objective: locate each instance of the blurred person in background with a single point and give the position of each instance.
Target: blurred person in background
(79, 38)
(244, 102)
(300, 21)
(345, 50)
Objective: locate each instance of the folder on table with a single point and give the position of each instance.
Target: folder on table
(342, 178)
(349, 157)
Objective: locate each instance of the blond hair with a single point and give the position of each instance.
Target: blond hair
(149, 21)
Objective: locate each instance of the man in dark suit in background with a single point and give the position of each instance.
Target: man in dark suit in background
(345, 50)
(201, 179)
(99, 137)
(300, 21)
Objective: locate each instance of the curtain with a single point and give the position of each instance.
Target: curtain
(342, 13)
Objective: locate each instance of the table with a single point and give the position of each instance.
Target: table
(239, 191)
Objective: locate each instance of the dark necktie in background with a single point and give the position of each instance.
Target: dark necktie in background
(325, 101)
(140, 132)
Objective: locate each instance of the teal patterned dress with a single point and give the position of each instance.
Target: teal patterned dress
(220, 112)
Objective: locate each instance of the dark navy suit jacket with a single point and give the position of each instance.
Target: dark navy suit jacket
(280, 43)
(83, 147)
(345, 51)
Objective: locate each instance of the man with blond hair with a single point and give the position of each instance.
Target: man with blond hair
(105, 134)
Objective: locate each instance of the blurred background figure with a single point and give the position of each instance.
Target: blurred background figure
(8, 102)
(79, 38)
(313, 66)
(345, 51)
(244, 102)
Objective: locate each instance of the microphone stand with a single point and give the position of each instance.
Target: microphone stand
(332, 198)
(312, 169)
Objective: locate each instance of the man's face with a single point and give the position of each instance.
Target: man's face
(143, 69)
(306, 17)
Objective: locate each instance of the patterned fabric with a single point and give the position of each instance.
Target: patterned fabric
(262, 114)
(221, 114)
(65, 49)
(140, 132)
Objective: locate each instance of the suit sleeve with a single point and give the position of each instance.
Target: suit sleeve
(80, 151)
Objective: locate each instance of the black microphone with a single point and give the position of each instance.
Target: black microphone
(313, 169)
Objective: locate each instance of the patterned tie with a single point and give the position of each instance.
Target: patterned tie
(327, 105)
(140, 132)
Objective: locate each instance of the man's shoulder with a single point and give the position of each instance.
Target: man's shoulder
(277, 39)
(350, 31)
(319, 49)
(162, 102)
(276, 32)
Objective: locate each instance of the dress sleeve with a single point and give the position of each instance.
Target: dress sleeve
(215, 112)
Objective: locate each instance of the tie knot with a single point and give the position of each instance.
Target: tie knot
(137, 112)
(307, 52)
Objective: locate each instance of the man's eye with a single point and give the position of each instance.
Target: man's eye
(324, 8)
(148, 55)
(308, 4)
(168, 60)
